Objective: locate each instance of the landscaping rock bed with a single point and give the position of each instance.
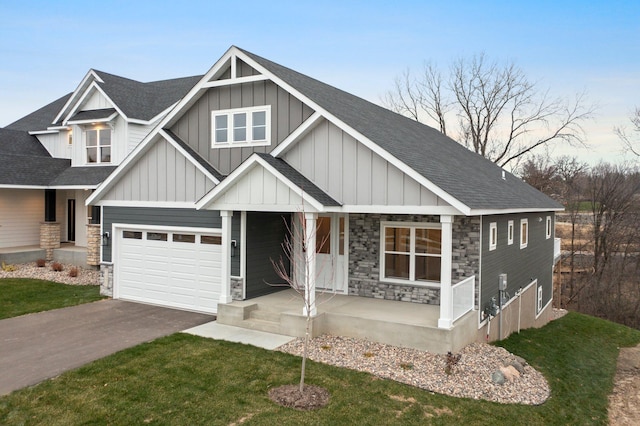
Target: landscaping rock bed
(469, 377)
(31, 270)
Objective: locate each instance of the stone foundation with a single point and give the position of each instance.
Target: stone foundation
(105, 279)
(93, 245)
(237, 285)
(49, 238)
(364, 257)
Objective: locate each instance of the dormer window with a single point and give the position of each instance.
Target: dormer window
(98, 143)
(241, 127)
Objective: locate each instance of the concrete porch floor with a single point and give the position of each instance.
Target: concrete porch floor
(397, 323)
(67, 253)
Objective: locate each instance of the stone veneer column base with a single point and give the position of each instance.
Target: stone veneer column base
(237, 285)
(93, 245)
(106, 279)
(49, 238)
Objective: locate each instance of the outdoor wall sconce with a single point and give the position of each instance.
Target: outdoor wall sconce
(234, 244)
(105, 238)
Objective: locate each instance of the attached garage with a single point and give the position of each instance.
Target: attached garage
(174, 267)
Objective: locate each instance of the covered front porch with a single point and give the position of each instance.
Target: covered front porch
(404, 324)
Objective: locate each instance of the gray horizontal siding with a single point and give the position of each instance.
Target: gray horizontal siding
(168, 217)
(522, 266)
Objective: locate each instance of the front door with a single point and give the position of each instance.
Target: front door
(71, 219)
(330, 253)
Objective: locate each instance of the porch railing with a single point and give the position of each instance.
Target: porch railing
(463, 294)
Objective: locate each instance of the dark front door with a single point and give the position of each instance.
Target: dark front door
(71, 220)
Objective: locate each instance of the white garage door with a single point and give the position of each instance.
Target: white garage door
(180, 269)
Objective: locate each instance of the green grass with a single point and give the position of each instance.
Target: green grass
(183, 379)
(19, 296)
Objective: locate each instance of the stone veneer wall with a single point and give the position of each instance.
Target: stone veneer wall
(93, 244)
(237, 285)
(364, 257)
(49, 238)
(105, 279)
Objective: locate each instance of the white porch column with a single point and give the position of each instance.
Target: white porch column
(311, 220)
(225, 269)
(446, 296)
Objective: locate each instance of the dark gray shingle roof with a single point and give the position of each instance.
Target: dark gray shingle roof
(30, 170)
(467, 176)
(41, 118)
(85, 175)
(299, 180)
(144, 101)
(93, 114)
(204, 163)
(18, 142)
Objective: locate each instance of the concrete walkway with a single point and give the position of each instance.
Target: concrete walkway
(230, 333)
(39, 346)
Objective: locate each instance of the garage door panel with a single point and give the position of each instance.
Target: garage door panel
(175, 274)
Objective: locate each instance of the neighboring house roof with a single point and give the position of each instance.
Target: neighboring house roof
(299, 180)
(465, 175)
(18, 142)
(83, 176)
(41, 118)
(144, 101)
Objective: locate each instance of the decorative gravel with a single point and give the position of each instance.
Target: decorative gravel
(31, 270)
(471, 377)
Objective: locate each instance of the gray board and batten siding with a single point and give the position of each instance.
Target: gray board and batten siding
(194, 127)
(522, 266)
(169, 217)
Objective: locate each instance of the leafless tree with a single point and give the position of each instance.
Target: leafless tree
(631, 138)
(500, 114)
(295, 269)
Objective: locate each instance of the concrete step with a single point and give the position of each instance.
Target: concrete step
(262, 325)
(265, 315)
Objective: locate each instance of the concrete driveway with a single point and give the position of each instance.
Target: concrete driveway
(39, 346)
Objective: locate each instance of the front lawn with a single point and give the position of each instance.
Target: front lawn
(183, 379)
(19, 296)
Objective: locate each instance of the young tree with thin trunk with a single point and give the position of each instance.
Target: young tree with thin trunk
(491, 108)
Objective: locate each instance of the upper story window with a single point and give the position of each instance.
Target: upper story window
(98, 145)
(493, 236)
(510, 233)
(241, 127)
(548, 227)
(410, 252)
(524, 233)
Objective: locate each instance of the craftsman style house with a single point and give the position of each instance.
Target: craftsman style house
(432, 239)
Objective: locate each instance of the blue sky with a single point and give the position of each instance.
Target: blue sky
(359, 46)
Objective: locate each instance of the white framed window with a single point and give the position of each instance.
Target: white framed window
(493, 236)
(524, 233)
(548, 227)
(241, 127)
(98, 145)
(410, 252)
(510, 232)
(539, 304)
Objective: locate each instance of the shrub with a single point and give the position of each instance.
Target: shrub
(73, 272)
(40, 263)
(451, 362)
(57, 266)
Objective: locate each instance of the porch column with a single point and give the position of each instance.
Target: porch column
(446, 296)
(225, 269)
(311, 220)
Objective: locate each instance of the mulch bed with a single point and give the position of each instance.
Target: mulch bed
(312, 397)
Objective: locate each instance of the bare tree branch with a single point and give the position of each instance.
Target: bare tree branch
(631, 139)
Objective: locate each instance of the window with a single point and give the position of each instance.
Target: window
(323, 235)
(524, 233)
(548, 227)
(156, 236)
(411, 252)
(539, 299)
(132, 235)
(184, 238)
(211, 239)
(493, 235)
(98, 145)
(242, 126)
(510, 233)
(70, 138)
